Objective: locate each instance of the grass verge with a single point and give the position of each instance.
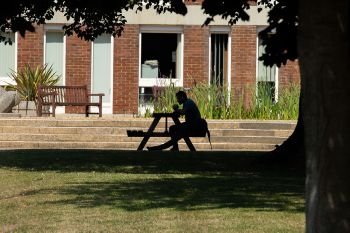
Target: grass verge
(128, 191)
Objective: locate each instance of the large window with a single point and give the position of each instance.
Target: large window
(218, 59)
(54, 53)
(160, 60)
(145, 95)
(160, 55)
(7, 56)
(266, 77)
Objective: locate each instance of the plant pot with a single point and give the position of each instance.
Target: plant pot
(25, 108)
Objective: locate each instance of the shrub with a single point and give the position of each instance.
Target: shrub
(28, 79)
(215, 102)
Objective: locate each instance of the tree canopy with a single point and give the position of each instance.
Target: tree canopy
(89, 19)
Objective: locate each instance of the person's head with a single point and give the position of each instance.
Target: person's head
(181, 97)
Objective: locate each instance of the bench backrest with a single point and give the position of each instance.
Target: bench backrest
(65, 94)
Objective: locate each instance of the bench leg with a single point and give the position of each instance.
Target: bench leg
(53, 110)
(87, 111)
(148, 134)
(100, 110)
(39, 111)
(189, 144)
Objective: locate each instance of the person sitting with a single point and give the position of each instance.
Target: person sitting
(192, 122)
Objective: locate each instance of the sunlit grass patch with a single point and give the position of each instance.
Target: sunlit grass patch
(114, 191)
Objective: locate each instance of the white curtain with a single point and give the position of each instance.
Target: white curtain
(102, 70)
(54, 53)
(7, 55)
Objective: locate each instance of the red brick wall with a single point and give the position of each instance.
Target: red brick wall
(196, 55)
(193, 2)
(31, 48)
(289, 74)
(243, 62)
(78, 66)
(126, 62)
(199, 2)
(126, 71)
(78, 61)
(252, 2)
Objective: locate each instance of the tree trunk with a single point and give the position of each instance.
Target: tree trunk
(323, 46)
(294, 145)
(291, 153)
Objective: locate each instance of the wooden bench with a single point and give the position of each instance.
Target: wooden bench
(66, 96)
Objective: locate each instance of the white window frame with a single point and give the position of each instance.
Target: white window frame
(149, 82)
(221, 30)
(56, 28)
(259, 29)
(4, 80)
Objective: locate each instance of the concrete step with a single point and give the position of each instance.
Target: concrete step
(110, 133)
(122, 131)
(130, 145)
(142, 123)
(97, 138)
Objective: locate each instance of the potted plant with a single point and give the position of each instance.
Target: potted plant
(27, 80)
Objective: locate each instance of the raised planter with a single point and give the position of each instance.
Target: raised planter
(25, 108)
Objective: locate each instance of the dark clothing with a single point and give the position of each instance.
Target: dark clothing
(192, 114)
(179, 131)
(192, 123)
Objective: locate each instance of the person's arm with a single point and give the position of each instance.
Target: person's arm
(178, 110)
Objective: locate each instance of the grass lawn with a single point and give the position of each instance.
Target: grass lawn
(128, 191)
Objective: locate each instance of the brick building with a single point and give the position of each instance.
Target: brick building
(153, 50)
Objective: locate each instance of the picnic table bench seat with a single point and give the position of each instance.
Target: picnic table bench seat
(140, 133)
(67, 96)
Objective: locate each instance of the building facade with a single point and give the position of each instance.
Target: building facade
(153, 50)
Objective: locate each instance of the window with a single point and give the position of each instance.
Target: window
(145, 95)
(266, 77)
(54, 53)
(160, 55)
(7, 56)
(218, 59)
(160, 61)
(102, 67)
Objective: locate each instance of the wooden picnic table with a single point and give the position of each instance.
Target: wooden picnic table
(150, 133)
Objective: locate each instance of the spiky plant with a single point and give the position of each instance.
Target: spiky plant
(27, 80)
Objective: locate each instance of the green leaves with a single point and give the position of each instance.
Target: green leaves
(88, 18)
(215, 102)
(28, 79)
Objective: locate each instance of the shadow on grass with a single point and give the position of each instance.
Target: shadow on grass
(207, 180)
(142, 161)
(191, 193)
